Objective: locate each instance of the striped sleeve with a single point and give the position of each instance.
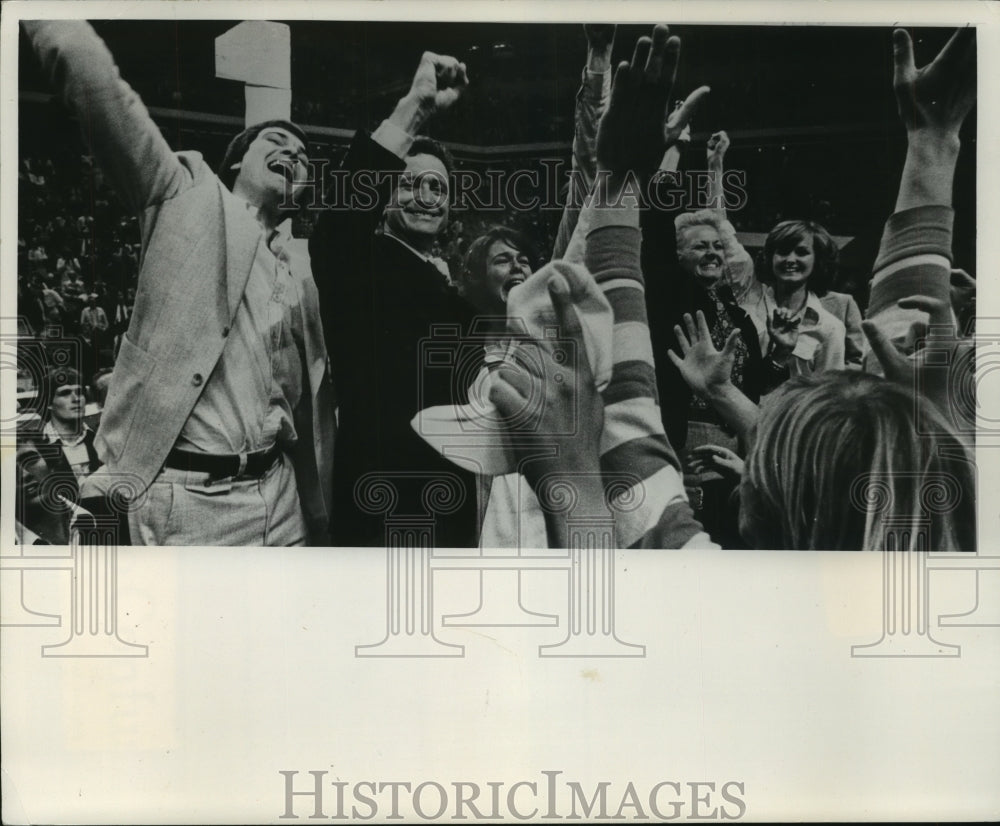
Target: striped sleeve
(637, 460)
(914, 259)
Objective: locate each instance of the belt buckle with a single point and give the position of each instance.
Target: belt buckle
(223, 484)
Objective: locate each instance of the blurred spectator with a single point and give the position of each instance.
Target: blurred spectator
(63, 404)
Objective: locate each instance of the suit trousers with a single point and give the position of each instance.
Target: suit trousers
(187, 508)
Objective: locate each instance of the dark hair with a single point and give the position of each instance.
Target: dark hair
(474, 263)
(422, 145)
(238, 147)
(785, 236)
(54, 378)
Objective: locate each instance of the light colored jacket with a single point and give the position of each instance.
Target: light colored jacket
(198, 246)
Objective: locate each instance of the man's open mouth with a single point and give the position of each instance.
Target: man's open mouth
(283, 167)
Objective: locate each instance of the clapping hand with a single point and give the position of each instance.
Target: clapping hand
(783, 329)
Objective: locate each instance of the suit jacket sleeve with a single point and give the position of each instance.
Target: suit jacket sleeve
(116, 125)
(340, 247)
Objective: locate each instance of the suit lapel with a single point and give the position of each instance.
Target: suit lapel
(242, 236)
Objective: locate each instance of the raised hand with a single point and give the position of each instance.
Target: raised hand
(923, 371)
(630, 136)
(559, 395)
(438, 82)
(704, 368)
(600, 36)
(565, 412)
(718, 143)
(938, 96)
(677, 128)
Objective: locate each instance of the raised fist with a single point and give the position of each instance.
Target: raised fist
(438, 82)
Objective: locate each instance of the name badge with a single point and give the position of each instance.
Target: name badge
(805, 347)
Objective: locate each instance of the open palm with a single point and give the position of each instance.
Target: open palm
(701, 365)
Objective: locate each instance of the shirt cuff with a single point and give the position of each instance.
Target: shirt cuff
(391, 137)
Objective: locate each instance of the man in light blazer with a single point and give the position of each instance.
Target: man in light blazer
(219, 414)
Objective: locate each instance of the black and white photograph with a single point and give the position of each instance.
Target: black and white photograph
(459, 411)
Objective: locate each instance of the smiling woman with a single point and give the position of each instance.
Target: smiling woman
(794, 272)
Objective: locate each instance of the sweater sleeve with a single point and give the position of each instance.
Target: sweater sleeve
(637, 460)
(914, 259)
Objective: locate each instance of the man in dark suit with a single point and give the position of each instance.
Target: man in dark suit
(380, 298)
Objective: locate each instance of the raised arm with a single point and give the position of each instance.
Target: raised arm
(340, 246)
(115, 124)
(631, 451)
(739, 263)
(591, 101)
(631, 144)
(915, 253)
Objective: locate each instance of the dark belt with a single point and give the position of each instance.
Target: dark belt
(224, 466)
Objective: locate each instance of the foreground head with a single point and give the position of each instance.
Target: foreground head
(848, 461)
(700, 250)
(266, 164)
(418, 212)
(495, 263)
(797, 252)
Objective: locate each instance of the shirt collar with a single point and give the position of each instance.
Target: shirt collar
(813, 308)
(810, 312)
(54, 436)
(278, 237)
